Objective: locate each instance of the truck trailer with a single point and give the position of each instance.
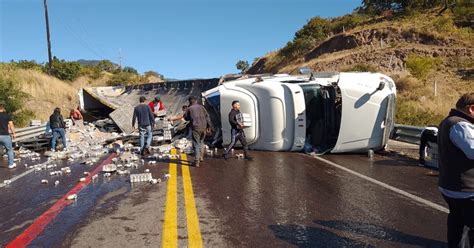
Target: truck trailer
(322, 112)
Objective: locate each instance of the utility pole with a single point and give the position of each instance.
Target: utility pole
(120, 58)
(50, 56)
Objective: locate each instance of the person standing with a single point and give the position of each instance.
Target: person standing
(144, 115)
(429, 134)
(456, 167)
(237, 131)
(200, 125)
(7, 134)
(156, 105)
(56, 122)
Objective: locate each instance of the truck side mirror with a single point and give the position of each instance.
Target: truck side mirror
(381, 86)
(305, 71)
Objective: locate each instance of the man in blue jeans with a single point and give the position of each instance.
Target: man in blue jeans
(6, 129)
(56, 122)
(146, 121)
(197, 115)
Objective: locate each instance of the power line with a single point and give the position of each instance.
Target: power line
(80, 40)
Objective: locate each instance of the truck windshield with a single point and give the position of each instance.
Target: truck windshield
(323, 116)
(212, 104)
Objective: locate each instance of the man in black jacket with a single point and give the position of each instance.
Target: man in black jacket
(197, 115)
(456, 168)
(237, 131)
(7, 133)
(146, 122)
(58, 126)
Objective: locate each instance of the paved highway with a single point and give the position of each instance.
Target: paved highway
(277, 200)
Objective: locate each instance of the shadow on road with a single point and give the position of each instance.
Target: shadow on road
(314, 236)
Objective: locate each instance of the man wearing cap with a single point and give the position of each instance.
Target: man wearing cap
(143, 114)
(156, 105)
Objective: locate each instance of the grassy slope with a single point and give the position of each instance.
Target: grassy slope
(47, 92)
(417, 104)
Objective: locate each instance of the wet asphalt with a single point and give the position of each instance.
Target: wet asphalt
(277, 200)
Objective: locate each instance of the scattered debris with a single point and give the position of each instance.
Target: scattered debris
(109, 168)
(155, 181)
(142, 177)
(72, 197)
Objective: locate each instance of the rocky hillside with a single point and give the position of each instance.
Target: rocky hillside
(416, 51)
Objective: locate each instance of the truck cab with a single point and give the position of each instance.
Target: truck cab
(326, 112)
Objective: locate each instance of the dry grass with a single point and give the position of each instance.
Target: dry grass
(47, 92)
(417, 103)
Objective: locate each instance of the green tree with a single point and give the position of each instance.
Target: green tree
(242, 65)
(316, 29)
(130, 69)
(399, 6)
(64, 70)
(93, 72)
(153, 74)
(14, 99)
(106, 65)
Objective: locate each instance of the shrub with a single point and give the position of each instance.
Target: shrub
(28, 64)
(420, 66)
(130, 69)
(444, 24)
(93, 72)
(464, 13)
(361, 68)
(296, 48)
(410, 113)
(64, 70)
(153, 74)
(122, 78)
(14, 99)
(106, 65)
(407, 84)
(242, 65)
(347, 22)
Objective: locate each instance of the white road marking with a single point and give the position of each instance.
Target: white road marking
(16, 177)
(389, 187)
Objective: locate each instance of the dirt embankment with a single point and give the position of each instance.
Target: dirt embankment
(386, 48)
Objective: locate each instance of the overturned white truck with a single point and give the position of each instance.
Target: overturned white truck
(324, 112)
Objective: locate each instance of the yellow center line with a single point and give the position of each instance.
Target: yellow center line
(170, 229)
(192, 219)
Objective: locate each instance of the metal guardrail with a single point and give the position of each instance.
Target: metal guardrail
(412, 135)
(28, 133)
(408, 134)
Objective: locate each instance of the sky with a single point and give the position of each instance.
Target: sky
(180, 39)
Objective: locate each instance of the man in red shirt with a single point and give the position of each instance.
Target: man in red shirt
(156, 105)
